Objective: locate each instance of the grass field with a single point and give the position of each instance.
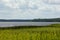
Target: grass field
(51, 32)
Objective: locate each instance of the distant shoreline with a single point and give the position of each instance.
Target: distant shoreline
(31, 20)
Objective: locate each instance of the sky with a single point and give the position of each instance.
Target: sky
(29, 9)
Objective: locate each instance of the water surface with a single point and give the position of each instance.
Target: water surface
(6, 24)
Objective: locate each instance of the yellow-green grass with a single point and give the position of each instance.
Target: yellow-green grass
(37, 33)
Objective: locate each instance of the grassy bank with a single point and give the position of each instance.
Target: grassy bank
(50, 32)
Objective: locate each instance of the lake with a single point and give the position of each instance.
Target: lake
(6, 24)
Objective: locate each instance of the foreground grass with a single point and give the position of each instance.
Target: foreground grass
(51, 32)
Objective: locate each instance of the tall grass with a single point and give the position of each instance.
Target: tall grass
(31, 33)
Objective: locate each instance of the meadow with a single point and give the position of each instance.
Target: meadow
(50, 32)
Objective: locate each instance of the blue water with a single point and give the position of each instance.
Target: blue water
(6, 24)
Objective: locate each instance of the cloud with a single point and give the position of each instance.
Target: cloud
(28, 9)
(56, 2)
(18, 3)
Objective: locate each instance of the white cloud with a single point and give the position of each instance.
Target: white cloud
(17, 3)
(52, 1)
(29, 9)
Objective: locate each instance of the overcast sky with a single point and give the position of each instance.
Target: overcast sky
(29, 9)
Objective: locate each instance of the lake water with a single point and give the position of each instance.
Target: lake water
(6, 24)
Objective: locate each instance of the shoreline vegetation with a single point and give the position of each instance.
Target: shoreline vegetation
(31, 20)
(49, 32)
